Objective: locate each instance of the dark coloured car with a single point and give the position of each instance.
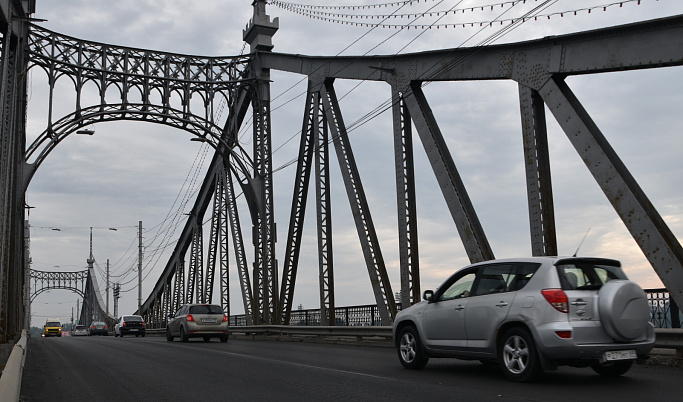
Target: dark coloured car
(198, 321)
(130, 325)
(98, 328)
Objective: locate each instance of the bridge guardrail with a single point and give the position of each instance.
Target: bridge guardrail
(667, 338)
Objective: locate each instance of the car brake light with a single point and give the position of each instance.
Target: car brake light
(225, 317)
(557, 298)
(124, 324)
(564, 334)
(190, 318)
(143, 323)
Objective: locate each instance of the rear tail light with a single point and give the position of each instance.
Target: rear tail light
(143, 323)
(225, 317)
(190, 318)
(564, 334)
(557, 298)
(124, 324)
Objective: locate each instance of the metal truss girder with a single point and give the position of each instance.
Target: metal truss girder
(265, 265)
(538, 178)
(459, 204)
(299, 200)
(179, 288)
(407, 212)
(648, 44)
(359, 206)
(240, 255)
(324, 215)
(195, 273)
(642, 220)
(216, 246)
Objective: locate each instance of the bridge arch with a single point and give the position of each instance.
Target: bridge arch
(42, 281)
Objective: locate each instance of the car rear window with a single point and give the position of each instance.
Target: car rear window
(588, 274)
(132, 318)
(207, 309)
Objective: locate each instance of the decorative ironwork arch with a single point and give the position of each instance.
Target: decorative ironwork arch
(42, 281)
(48, 140)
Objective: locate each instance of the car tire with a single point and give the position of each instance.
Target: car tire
(518, 355)
(169, 337)
(183, 336)
(136, 335)
(224, 338)
(207, 338)
(410, 352)
(612, 369)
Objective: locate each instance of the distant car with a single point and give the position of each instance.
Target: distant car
(531, 314)
(198, 321)
(80, 330)
(52, 327)
(98, 328)
(130, 324)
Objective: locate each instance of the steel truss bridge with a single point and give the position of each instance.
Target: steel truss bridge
(137, 84)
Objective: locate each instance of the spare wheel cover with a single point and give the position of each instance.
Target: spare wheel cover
(623, 308)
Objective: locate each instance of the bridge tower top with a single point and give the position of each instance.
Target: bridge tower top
(260, 30)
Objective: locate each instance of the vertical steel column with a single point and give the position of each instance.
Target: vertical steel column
(259, 35)
(265, 233)
(407, 211)
(179, 284)
(538, 182)
(359, 206)
(471, 233)
(12, 144)
(324, 216)
(299, 200)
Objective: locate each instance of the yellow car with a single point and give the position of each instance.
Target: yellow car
(53, 327)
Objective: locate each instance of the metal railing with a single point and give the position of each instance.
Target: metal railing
(661, 306)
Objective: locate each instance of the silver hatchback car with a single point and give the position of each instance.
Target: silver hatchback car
(198, 320)
(529, 315)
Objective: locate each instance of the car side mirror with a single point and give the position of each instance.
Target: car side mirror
(428, 295)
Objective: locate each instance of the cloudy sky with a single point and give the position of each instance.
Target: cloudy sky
(130, 172)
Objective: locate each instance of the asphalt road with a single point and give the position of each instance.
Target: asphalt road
(150, 368)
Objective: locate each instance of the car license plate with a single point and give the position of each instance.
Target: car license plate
(620, 355)
(208, 320)
(133, 330)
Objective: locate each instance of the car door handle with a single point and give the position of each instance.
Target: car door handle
(502, 304)
(459, 307)
(578, 303)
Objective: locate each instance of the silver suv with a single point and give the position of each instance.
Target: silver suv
(198, 321)
(530, 315)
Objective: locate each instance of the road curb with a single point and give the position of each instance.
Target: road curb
(10, 381)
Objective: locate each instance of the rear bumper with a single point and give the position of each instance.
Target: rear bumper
(586, 343)
(131, 331)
